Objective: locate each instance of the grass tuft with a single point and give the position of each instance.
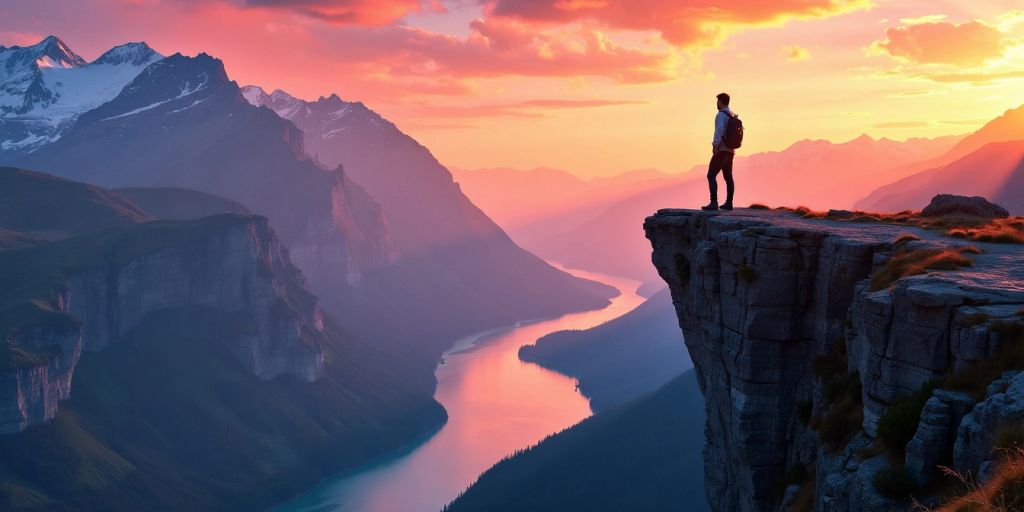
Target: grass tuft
(898, 424)
(906, 237)
(1003, 492)
(912, 262)
(980, 229)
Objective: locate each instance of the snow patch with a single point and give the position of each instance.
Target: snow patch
(188, 90)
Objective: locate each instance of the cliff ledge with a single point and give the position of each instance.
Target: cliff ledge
(782, 319)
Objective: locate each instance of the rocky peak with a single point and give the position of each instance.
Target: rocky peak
(171, 84)
(54, 86)
(51, 52)
(134, 54)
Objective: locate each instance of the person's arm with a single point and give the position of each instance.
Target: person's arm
(721, 119)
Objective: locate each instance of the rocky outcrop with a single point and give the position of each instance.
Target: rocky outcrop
(762, 295)
(30, 390)
(111, 281)
(945, 204)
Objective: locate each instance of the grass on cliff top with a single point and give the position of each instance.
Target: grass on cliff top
(1005, 231)
(907, 262)
(32, 276)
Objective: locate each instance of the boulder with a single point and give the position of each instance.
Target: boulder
(977, 206)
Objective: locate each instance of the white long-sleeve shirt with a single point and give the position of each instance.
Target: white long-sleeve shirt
(721, 121)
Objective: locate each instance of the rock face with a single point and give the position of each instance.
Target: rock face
(762, 295)
(112, 281)
(944, 204)
(1002, 408)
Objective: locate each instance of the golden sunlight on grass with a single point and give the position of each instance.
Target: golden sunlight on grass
(911, 262)
(1006, 231)
(978, 229)
(1003, 492)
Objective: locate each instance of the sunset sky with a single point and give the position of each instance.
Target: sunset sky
(594, 87)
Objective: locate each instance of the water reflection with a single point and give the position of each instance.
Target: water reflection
(496, 404)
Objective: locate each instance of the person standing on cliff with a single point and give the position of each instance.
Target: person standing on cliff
(728, 137)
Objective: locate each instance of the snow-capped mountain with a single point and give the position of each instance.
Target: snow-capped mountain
(46, 86)
(323, 121)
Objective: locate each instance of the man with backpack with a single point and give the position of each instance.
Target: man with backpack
(728, 137)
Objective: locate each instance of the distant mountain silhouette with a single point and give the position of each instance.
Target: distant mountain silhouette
(814, 173)
(979, 154)
(995, 172)
(537, 204)
(454, 266)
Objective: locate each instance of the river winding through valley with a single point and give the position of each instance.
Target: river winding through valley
(496, 405)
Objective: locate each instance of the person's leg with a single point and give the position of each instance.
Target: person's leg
(713, 167)
(730, 187)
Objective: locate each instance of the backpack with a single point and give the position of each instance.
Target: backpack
(733, 132)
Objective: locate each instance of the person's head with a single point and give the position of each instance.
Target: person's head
(723, 101)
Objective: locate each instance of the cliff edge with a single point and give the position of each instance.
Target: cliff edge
(802, 346)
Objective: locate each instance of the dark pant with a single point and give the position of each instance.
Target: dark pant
(722, 161)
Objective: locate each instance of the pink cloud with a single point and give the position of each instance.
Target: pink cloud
(943, 42)
(500, 47)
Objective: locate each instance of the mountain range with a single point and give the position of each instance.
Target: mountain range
(988, 163)
(596, 231)
(46, 86)
(388, 240)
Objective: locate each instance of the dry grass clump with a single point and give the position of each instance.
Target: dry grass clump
(1000, 231)
(906, 237)
(807, 213)
(912, 262)
(979, 229)
(1003, 492)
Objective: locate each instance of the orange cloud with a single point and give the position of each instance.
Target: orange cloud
(943, 42)
(346, 12)
(501, 47)
(681, 22)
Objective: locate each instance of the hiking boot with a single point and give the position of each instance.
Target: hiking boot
(727, 206)
(710, 207)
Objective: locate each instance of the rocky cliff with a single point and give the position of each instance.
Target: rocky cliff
(85, 293)
(800, 354)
